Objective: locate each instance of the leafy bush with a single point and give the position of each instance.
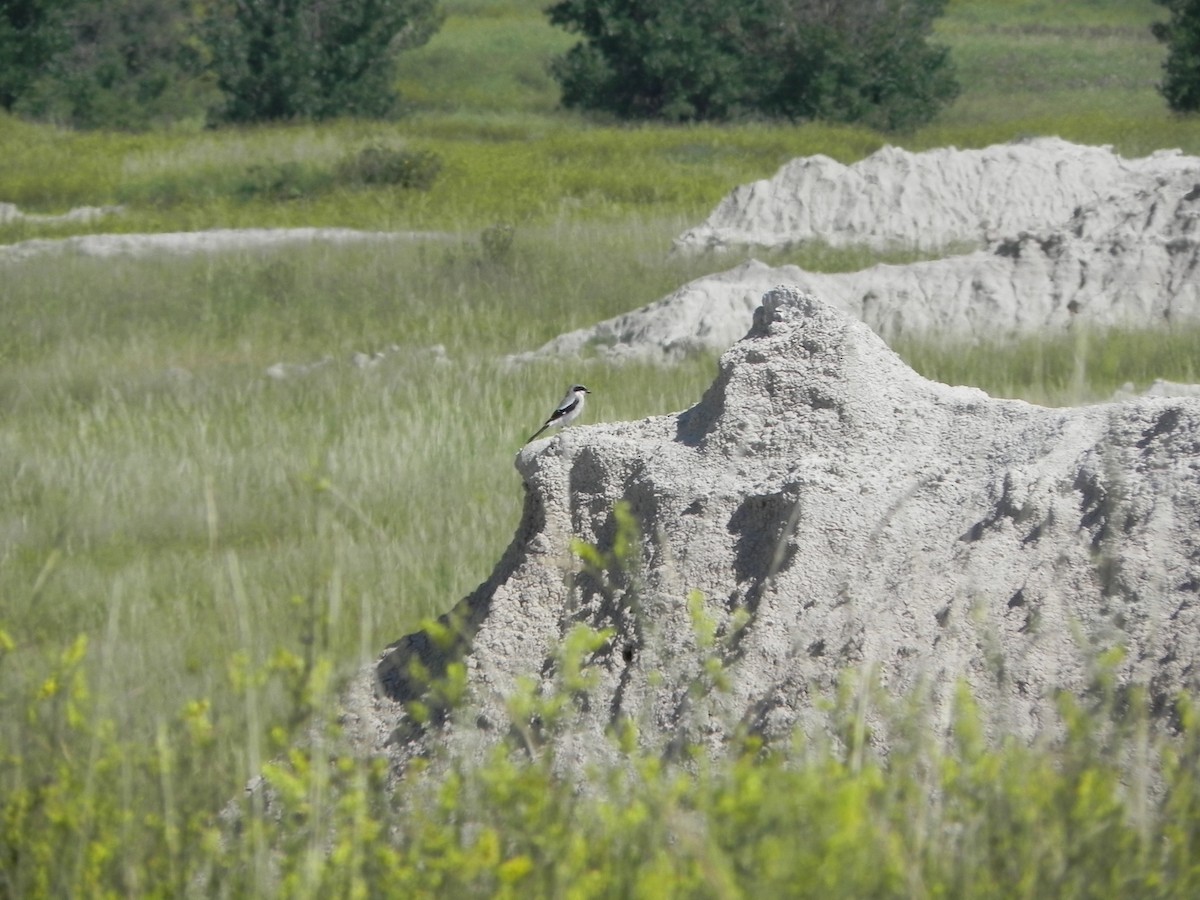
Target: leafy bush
(391, 166)
(135, 63)
(497, 242)
(31, 33)
(371, 167)
(1112, 809)
(1181, 69)
(285, 59)
(129, 64)
(680, 60)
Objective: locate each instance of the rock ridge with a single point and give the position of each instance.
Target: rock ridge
(836, 513)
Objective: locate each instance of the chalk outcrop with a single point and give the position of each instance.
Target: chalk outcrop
(836, 512)
(930, 200)
(1129, 261)
(187, 243)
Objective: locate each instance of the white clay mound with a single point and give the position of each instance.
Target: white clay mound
(1127, 260)
(858, 518)
(931, 200)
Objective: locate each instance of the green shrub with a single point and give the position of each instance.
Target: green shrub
(31, 33)
(677, 60)
(496, 241)
(1181, 69)
(130, 64)
(397, 166)
(287, 59)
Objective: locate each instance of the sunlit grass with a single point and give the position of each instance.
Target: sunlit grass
(1088, 366)
(132, 489)
(297, 304)
(485, 59)
(517, 169)
(145, 442)
(1033, 16)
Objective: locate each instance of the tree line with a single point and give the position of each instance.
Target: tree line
(141, 63)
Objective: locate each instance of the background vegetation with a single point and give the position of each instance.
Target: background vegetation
(864, 61)
(284, 59)
(136, 63)
(1180, 85)
(194, 555)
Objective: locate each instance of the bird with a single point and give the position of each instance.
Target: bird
(567, 411)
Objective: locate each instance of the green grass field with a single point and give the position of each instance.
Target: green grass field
(194, 555)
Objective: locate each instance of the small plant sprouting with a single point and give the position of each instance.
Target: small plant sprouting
(713, 646)
(434, 695)
(390, 166)
(496, 241)
(622, 556)
(615, 573)
(535, 715)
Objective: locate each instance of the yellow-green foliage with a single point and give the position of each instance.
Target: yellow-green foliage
(511, 168)
(87, 811)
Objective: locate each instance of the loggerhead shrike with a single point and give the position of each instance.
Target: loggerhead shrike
(567, 411)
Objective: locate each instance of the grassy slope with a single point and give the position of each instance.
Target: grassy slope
(1027, 68)
(194, 518)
